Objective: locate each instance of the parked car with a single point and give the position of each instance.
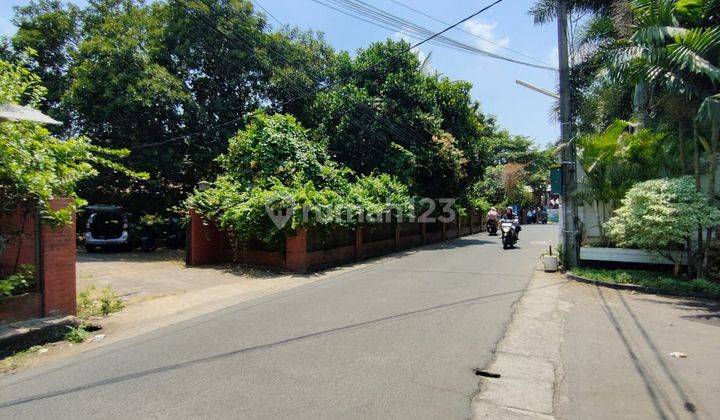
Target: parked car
(107, 227)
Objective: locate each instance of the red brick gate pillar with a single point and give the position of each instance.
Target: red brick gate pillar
(57, 271)
(296, 252)
(207, 242)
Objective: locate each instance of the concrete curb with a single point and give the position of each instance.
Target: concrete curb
(527, 358)
(19, 336)
(637, 288)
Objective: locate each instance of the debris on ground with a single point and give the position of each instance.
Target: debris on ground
(678, 354)
(97, 337)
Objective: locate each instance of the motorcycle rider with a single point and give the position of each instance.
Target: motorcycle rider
(492, 214)
(492, 217)
(509, 215)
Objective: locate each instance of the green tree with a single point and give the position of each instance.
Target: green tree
(613, 161)
(50, 29)
(36, 166)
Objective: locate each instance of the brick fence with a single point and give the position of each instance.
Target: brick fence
(310, 250)
(53, 256)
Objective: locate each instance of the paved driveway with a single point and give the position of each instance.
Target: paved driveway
(394, 339)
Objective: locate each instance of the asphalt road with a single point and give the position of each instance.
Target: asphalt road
(397, 338)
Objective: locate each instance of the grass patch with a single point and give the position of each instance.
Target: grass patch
(17, 360)
(661, 280)
(90, 302)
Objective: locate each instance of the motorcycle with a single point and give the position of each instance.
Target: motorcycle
(542, 217)
(492, 227)
(509, 233)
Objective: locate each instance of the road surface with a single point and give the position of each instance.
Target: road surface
(397, 338)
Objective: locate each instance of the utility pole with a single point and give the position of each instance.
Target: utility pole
(568, 156)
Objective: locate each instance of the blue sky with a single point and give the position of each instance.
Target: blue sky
(518, 109)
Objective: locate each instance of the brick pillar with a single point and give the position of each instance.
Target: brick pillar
(296, 252)
(358, 242)
(423, 233)
(207, 242)
(57, 271)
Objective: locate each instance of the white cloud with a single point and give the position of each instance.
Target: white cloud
(490, 41)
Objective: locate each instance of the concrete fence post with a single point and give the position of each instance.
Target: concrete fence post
(358, 243)
(471, 214)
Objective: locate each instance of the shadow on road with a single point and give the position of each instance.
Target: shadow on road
(162, 369)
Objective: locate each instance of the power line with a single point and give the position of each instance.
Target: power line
(429, 16)
(386, 20)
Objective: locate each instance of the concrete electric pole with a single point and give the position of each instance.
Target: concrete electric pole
(568, 156)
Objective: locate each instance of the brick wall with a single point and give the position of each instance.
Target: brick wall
(28, 305)
(55, 265)
(209, 245)
(19, 226)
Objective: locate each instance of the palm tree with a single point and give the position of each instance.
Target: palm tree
(623, 154)
(674, 49)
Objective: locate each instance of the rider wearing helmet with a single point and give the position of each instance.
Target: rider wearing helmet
(510, 215)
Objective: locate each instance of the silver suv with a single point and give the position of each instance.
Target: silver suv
(107, 227)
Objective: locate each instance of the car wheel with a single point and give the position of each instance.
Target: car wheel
(91, 249)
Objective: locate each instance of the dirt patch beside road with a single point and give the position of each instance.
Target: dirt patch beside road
(137, 276)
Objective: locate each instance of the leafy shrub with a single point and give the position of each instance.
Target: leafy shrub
(109, 302)
(19, 282)
(661, 215)
(77, 334)
(273, 165)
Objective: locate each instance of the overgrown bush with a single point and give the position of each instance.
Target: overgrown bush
(662, 215)
(289, 172)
